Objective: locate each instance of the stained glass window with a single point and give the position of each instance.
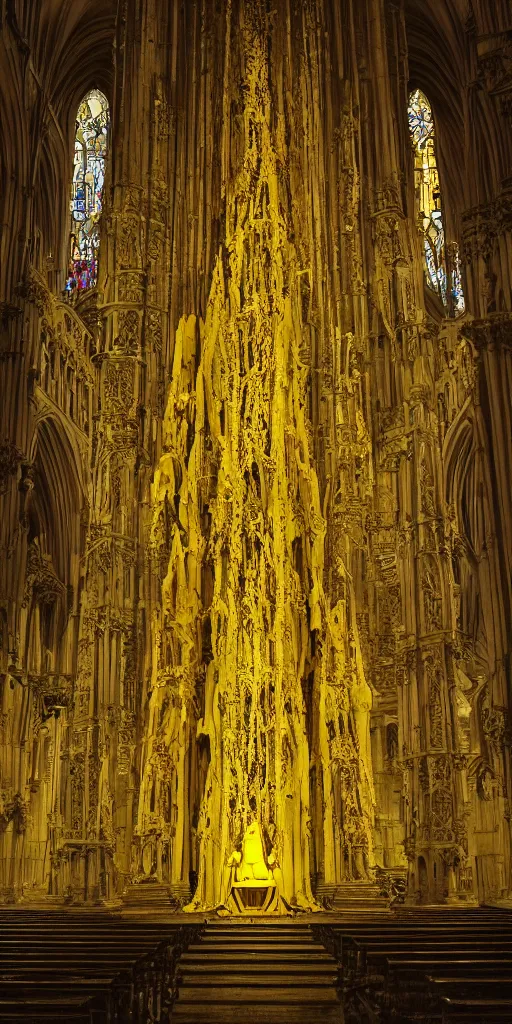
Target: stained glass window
(442, 262)
(91, 138)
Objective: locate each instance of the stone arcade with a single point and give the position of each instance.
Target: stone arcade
(255, 451)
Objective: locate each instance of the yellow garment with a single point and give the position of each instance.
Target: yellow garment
(253, 866)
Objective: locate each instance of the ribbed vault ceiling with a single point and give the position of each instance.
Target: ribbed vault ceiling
(70, 43)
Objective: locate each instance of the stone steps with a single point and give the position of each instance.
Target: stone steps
(272, 974)
(255, 933)
(257, 979)
(354, 898)
(254, 948)
(263, 958)
(153, 896)
(258, 994)
(263, 1013)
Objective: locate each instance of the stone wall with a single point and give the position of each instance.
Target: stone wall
(255, 492)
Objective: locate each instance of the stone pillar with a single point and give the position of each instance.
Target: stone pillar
(131, 308)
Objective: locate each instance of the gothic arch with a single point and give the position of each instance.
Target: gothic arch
(49, 185)
(459, 450)
(467, 485)
(58, 493)
(87, 62)
(437, 39)
(74, 53)
(468, 492)
(430, 32)
(78, 53)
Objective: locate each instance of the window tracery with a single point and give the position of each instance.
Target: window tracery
(442, 261)
(91, 141)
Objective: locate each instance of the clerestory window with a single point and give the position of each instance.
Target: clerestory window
(442, 260)
(91, 141)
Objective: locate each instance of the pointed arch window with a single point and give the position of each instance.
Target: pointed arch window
(91, 142)
(442, 261)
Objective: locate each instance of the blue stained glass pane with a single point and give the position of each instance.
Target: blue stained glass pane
(443, 276)
(421, 124)
(91, 138)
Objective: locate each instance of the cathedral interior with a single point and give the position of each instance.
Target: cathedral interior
(256, 505)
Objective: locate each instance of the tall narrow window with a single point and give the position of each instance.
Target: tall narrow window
(92, 126)
(442, 262)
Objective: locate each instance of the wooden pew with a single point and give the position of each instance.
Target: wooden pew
(476, 1011)
(472, 987)
(85, 968)
(386, 966)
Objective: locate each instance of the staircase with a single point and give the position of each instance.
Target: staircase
(354, 897)
(262, 972)
(142, 897)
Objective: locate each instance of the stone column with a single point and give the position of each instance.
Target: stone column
(131, 309)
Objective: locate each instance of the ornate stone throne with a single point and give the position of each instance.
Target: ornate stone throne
(251, 884)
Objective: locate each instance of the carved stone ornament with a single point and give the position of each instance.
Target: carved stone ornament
(10, 458)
